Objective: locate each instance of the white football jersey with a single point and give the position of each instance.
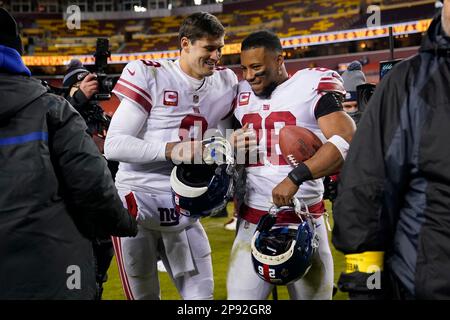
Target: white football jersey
(291, 103)
(176, 110)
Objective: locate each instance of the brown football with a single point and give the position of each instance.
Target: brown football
(298, 144)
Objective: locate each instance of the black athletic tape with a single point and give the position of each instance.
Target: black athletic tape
(328, 103)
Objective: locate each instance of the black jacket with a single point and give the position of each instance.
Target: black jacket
(394, 194)
(56, 193)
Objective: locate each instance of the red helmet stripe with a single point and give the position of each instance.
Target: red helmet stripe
(266, 272)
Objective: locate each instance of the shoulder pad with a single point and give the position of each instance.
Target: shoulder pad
(331, 81)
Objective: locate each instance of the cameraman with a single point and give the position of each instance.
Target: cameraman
(81, 89)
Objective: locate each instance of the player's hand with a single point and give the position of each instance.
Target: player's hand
(282, 194)
(244, 140)
(189, 152)
(89, 85)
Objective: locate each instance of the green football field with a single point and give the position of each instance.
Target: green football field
(221, 241)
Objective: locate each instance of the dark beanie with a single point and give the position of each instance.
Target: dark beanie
(9, 34)
(75, 72)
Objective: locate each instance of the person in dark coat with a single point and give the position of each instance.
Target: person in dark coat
(57, 193)
(81, 87)
(392, 213)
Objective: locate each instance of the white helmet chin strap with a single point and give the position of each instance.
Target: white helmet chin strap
(300, 208)
(302, 211)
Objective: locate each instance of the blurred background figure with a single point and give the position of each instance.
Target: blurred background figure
(353, 77)
(232, 223)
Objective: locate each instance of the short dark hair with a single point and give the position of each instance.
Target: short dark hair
(199, 25)
(262, 39)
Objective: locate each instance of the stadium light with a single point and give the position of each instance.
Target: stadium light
(219, 1)
(140, 9)
(197, 2)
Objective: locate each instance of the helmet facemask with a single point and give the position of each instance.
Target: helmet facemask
(201, 190)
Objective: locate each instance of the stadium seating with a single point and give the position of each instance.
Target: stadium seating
(409, 11)
(287, 18)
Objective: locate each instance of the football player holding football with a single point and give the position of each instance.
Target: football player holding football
(269, 99)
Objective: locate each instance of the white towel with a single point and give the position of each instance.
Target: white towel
(178, 252)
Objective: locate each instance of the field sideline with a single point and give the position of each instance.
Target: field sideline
(221, 241)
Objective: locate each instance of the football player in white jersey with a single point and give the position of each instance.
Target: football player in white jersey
(166, 106)
(268, 99)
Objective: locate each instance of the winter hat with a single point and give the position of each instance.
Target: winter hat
(75, 72)
(9, 33)
(352, 78)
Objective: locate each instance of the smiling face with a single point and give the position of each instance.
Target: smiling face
(199, 58)
(262, 69)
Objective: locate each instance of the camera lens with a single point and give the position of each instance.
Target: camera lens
(107, 84)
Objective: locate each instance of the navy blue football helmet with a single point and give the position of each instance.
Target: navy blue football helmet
(282, 252)
(201, 190)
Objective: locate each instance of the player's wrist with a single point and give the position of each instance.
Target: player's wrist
(169, 149)
(300, 174)
(161, 155)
